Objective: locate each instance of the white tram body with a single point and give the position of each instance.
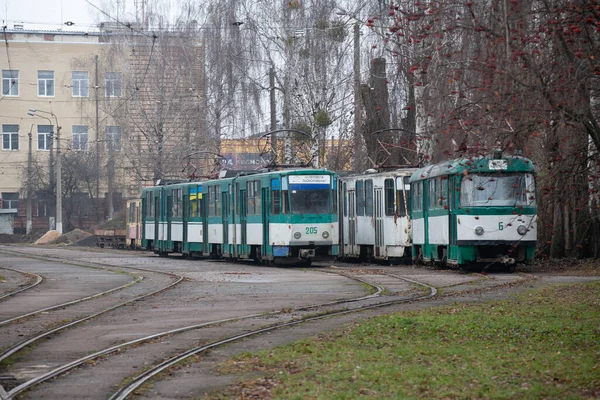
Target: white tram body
(374, 215)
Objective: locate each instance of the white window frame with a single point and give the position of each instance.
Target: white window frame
(113, 81)
(80, 84)
(48, 138)
(80, 137)
(8, 131)
(46, 83)
(113, 137)
(12, 204)
(10, 82)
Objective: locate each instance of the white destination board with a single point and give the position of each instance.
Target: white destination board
(314, 179)
(498, 165)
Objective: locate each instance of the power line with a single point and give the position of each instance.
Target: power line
(9, 67)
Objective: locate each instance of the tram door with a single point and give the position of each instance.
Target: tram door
(184, 215)
(157, 218)
(379, 239)
(352, 222)
(343, 212)
(204, 214)
(453, 194)
(168, 214)
(243, 222)
(265, 204)
(225, 221)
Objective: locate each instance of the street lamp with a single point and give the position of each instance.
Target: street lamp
(33, 112)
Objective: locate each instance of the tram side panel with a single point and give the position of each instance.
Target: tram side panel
(376, 222)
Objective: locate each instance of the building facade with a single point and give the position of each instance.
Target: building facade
(107, 112)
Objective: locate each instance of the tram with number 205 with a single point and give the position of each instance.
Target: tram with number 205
(277, 216)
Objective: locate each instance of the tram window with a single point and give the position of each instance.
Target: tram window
(286, 202)
(334, 197)
(369, 197)
(238, 196)
(257, 197)
(432, 194)
(193, 204)
(149, 205)
(417, 196)
(212, 199)
(285, 198)
(443, 192)
(360, 199)
(177, 203)
(200, 205)
(132, 212)
(250, 197)
(275, 196)
(217, 201)
(345, 193)
(388, 187)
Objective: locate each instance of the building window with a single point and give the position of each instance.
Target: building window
(45, 83)
(113, 84)
(45, 133)
(10, 201)
(79, 84)
(113, 138)
(80, 137)
(10, 137)
(43, 208)
(10, 82)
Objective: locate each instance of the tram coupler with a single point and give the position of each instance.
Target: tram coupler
(507, 260)
(305, 254)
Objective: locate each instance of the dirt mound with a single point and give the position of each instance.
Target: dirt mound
(48, 238)
(90, 241)
(72, 237)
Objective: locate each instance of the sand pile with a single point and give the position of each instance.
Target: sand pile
(49, 237)
(73, 237)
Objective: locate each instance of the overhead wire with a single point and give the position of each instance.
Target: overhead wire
(9, 67)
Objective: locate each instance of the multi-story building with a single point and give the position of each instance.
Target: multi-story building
(91, 100)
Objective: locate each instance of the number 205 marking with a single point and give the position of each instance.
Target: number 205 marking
(311, 230)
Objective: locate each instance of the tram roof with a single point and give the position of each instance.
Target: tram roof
(474, 165)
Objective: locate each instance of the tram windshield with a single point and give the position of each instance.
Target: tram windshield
(310, 201)
(497, 190)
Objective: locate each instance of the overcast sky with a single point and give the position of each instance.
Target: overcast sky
(52, 14)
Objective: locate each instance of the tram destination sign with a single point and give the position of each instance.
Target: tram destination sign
(309, 179)
(498, 165)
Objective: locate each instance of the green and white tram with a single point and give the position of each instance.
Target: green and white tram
(475, 211)
(269, 216)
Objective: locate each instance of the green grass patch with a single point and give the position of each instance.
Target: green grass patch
(545, 344)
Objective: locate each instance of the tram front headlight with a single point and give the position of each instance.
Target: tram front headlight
(297, 235)
(325, 234)
(479, 230)
(522, 230)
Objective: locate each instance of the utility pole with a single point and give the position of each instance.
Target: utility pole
(29, 226)
(59, 225)
(33, 112)
(357, 100)
(97, 145)
(273, 126)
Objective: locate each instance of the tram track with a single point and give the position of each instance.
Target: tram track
(312, 313)
(38, 279)
(318, 311)
(175, 279)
